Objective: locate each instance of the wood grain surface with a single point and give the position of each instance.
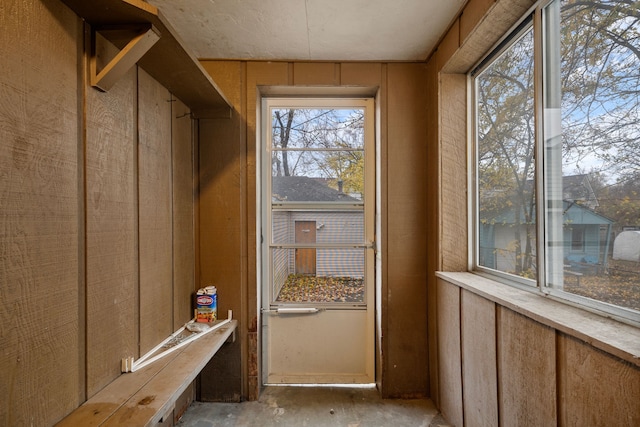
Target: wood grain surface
(155, 212)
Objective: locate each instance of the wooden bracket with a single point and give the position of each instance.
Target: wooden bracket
(143, 39)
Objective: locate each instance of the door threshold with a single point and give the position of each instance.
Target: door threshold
(340, 385)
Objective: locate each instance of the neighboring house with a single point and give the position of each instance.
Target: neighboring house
(586, 234)
(314, 226)
(307, 189)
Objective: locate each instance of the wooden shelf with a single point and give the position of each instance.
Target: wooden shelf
(144, 397)
(168, 61)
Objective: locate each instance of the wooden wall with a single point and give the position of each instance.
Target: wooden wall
(96, 201)
(489, 365)
(501, 368)
(227, 211)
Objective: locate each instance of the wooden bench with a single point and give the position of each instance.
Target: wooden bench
(147, 396)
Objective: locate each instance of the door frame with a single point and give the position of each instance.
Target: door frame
(372, 93)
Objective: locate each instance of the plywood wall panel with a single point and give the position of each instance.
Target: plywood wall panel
(449, 45)
(453, 173)
(479, 367)
(472, 14)
(406, 358)
(431, 217)
(155, 212)
(361, 74)
(183, 210)
(316, 74)
(483, 35)
(526, 371)
(222, 228)
(111, 221)
(449, 352)
(596, 389)
(40, 232)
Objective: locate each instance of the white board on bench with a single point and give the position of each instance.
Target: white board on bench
(144, 397)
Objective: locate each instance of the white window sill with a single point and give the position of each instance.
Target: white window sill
(614, 337)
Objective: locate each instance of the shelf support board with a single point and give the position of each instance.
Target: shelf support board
(130, 54)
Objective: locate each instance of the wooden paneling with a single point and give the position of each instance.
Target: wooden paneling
(453, 172)
(41, 339)
(406, 359)
(473, 13)
(221, 188)
(449, 353)
(449, 45)
(596, 389)
(221, 171)
(526, 371)
(361, 73)
(319, 74)
(112, 275)
(482, 36)
(431, 217)
(479, 368)
(155, 212)
(183, 209)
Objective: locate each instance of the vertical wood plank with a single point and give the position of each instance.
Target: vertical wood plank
(155, 211)
(431, 216)
(223, 228)
(316, 73)
(361, 73)
(183, 210)
(449, 353)
(526, 371)
(479, 368)
(112, 279)
(406, 361)
(40, 229)
(453, 179)
(473, 13)
(449, 45)
(596, 389)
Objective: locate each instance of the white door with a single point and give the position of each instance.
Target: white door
(318, 191)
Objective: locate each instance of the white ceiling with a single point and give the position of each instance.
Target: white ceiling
(358, 30)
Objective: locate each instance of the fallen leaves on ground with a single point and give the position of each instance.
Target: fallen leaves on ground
(620, 289)
(305, 288)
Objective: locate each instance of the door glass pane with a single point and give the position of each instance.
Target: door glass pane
(592, 137)
(316, 128)
(337, 277)
(505, 161)
(317, 166)
(321, 176)
(324, 227)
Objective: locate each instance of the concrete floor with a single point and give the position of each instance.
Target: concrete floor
(313, 407)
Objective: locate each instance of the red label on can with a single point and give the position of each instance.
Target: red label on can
(204, 300)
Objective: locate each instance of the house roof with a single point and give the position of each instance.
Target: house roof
(306, 189)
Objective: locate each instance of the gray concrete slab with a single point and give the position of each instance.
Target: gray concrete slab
(313, 407)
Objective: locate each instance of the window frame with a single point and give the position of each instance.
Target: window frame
(534, 18)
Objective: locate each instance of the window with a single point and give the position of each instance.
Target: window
(577, 238)
(557, 155)
(319, 174)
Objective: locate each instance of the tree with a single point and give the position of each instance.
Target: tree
(316, 142)
(599, 81)
(506, 143)
(601, 86)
